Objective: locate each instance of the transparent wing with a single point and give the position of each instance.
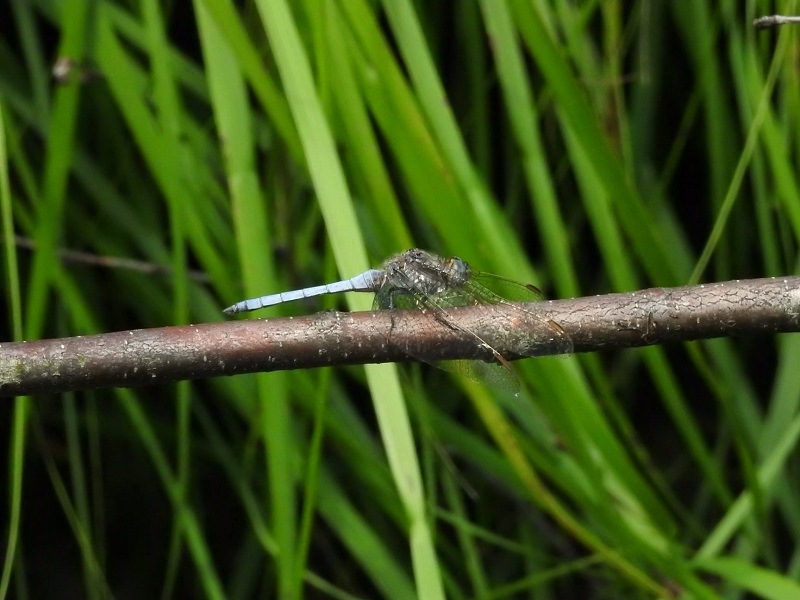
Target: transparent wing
(498, 376)
(542, 333)
(507, 289)
(408, 295)
(534, 333)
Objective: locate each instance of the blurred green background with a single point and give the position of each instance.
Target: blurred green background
(184, 156)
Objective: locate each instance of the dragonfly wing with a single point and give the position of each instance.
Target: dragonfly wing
(542, 335)
(439, 304)
(496, 375)
(417, 289)
(408, 293)
(504, 288)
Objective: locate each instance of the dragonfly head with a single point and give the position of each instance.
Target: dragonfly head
(457, 271)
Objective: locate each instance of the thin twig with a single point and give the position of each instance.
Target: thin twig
(148, 356)
(111, 262)
(774, 21)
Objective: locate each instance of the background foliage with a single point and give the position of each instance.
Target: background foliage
(235, 150)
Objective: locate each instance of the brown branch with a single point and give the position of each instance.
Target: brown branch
(147, 356)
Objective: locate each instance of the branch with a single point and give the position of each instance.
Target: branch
(774, 21)
(149, 356)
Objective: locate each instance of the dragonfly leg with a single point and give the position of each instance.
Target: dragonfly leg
(483, 344)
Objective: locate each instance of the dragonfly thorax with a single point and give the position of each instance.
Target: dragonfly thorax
(417, 271)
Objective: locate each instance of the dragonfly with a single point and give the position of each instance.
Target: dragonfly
(417, 279)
